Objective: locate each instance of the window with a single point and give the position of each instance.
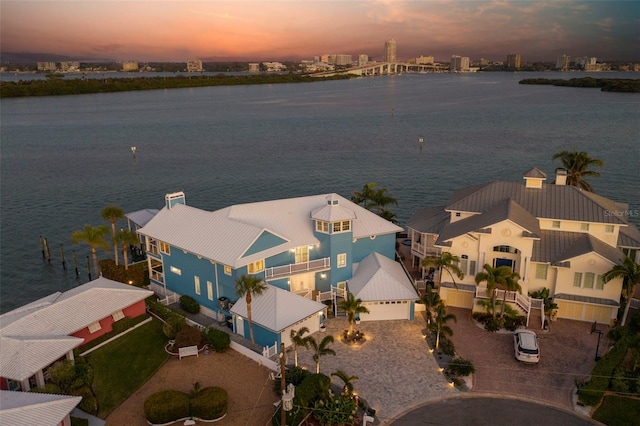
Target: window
(322, 226)
(464, 263)
(472, 268)
(541, 271)
(175, 270)
(342, 260)
(302, 254)
(577, 279)
(255, 267)
(608, 229)
(118, 315)
(599, 282)
(227, 270)
(346, 225)
(165, 248)
(457, 214)
(584, 226)
(152, 246)
(589, 279)
(196, 281)
(555, 224)
(209, 290)
(337, 226)
(94, 326)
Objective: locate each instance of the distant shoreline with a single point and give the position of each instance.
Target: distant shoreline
(56, 86)
(624, 85)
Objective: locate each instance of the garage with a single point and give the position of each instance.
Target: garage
(585, 312)
(387, 310)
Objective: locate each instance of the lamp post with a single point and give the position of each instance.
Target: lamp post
(595, 330)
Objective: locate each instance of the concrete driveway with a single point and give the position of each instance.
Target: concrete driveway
(567, 354)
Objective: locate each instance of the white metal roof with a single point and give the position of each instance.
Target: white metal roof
(225, 235)
(73, 310)
(42, 409)
(23, 356)
(379, 278)
(277, 309)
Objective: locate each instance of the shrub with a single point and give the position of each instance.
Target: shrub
(188, 336)
(218, 340)
(48, 388)
(210, 403)
(461, 367)
(340, 410)
(512, 323)
(446, 346)
(492, 324)
(173, 325)
(592, 393)
(189, 304)
(313, 388)
(166, 406)
(89, 403)
(63, 374)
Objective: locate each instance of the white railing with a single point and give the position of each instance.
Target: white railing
(340, 291)
(157, 276)
(324, 296)
(169, 299)
(297, 268)
(306, 293)
(269, 351)
(634, 303)
(523, 302)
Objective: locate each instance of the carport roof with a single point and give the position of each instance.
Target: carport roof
(28, 408)
(587, 299)
(377, 277)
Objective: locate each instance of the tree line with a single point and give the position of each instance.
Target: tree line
(605, 84)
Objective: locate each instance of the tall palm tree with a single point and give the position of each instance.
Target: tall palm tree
(381, 199)
(365, 196)
(353, 307)
(321, 349)
(126, 238)
(248, 286)
(347, 380)
(431, 299)
(494, 277)
(298, 341)
(94, 237)
(629, 271)
(445, 262)
(112, 214)
(577, 164)
(440, 322)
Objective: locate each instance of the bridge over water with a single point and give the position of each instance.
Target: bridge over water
(386, 68)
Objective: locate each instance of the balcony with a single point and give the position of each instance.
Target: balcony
(298, 268)
(423, 250)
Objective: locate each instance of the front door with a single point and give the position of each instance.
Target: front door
(504, 262)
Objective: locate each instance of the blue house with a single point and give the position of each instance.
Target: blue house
(306, 249)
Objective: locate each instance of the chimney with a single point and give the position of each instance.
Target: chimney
(175, 198)
(561, 176)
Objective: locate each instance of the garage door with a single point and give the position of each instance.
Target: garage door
(584, 312)
(458, 298)
(388, 310)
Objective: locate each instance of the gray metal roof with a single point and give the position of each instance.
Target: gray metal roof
(587, 299)
(557, 248)
(377, 278)
(559, 202)
(535, 173)
(225, 235)
(429, 220)
(629, 236)
(506, 209)
(460, 286)
(276, 309)
(141, 217)
(28, 408)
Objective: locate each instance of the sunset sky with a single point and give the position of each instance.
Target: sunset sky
(153, 30)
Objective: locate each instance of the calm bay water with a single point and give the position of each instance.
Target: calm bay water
(64, 158)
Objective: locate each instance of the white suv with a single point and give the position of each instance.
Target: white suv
(525, 344)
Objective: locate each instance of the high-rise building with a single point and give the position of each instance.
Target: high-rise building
(562, 62)
(194, 65)
(513, 60)
(343, 59)
(424, 60)
(459, 63)
(130, 66)
(362, 59)
(390, 51)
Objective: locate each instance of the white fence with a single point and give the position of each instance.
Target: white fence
(269, 351)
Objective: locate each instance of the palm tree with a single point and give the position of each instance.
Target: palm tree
(381, 199)
(447, 262)
(440, 322)
(126, 238)
(94, 237)
(510, 284)
(347, 380)
(495, 277)
(321, 349)
(353, 307)
(111, 214)
(577, 165)
(364, 197)
(431, 299)
(389, 215)
(247, 286)
(629, 271)
(298, 341)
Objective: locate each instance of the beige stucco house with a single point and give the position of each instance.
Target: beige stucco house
(553, 235)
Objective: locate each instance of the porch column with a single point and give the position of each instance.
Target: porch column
(24, 385)
(524, 267)
(40, 379)
(70, 356)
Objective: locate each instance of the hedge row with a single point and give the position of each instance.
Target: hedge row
(171, 405)
(592, 392)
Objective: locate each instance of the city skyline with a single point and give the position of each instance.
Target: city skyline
(147, 30)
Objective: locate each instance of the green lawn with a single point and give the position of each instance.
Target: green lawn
(125, 364)
(618, 411)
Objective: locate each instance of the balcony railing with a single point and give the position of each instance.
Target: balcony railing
(298, 268)
(157, 276)
(423, 250)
